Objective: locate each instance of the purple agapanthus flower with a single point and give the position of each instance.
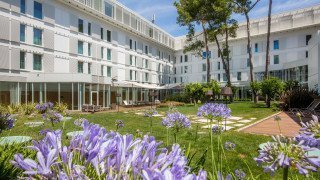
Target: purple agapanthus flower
(108, 155)
(285, 152)
(229, 146)
(310, 133)
(176, 120)
(119, 124)
(6, 122)
(79, 122)
(214, 110)
(220, 176)
(217, 129)
(150, 112)
(240, 174)
(44, 107)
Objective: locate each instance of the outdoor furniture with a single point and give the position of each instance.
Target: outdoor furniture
(157, 101)
(311, 109)
(126, 104)
(85, 108)
(9, 140)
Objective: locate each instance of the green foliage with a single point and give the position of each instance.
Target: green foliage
(61, 108)
(194, 91)
(291, 84)
(271, 88)
(179, 97)
(7, 170)
(255, 86)
(28, 109)
(213, 85)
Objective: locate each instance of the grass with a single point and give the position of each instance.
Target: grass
(241, 158)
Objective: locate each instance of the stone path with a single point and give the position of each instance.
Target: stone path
(269, 126)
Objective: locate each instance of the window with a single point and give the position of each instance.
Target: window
(80, 67)
(108, 9)
(22, 60)
(22, 32)
(132, 60)
(108, 36)
(146, 64)
(37, 62)
(219, 64)
(37, 10)
(308, 37)
(89, 68)
(109, 70)
(276, 59)
(181, 79)
(307, 54)
(101, 33)
(219, 77)
(185, 69)
(224, 77)
(185, 58)
(89, 29)
(175, 70)
(80, 47)
(204, 55)
(248, 62)
(109, 54)
(89, 49)
(133, 75)
(23, 6)
(146, 50)
(146, 77)
(204, 67)
(102, 70)
(135, 45)
(276, 44)
(102, 53)
(130, 43)
(37, 36)
(80, 25)
(181, 59)
(239, 76)
(256, 48)
(204, 78)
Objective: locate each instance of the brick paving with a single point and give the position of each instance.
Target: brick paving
(289, 127)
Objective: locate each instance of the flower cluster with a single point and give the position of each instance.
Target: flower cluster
(229, 146)
(310, 133)
(150, 112)
(119, 124)
(99, 154)
(176, 120)
(217, 129)
(6, 122)
(214, 110)
(52, 116)
(285, 153)
(239, 174)
(79, 122)
(44, 107)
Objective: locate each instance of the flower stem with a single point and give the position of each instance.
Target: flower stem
(211, 145)
(285, 173)
(167, 136)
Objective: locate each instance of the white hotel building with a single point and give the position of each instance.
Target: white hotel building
(90, 51)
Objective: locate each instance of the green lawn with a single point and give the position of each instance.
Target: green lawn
(246, 144)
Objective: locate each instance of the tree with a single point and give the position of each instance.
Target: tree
(266, 73)
(195, 91)
(192, 13)
(213, 86)
(221, 28)
(244, 7)
(271, 88)
(256, 87)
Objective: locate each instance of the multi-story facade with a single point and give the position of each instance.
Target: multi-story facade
(294, 52)
(100, 52)
(80, 52)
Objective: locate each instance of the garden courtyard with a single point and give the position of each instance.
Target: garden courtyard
(194, 141)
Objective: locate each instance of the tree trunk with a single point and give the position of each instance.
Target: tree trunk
(250, 56)
(268, 101)
(207, 52)
(266, 73)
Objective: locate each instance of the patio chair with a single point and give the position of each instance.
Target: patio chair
(126, 104)
(85, 108)
(157, 101)
(311, 109)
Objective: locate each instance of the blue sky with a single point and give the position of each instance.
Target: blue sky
(166, 13)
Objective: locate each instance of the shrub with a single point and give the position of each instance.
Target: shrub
(181, 97)
(28, 109)
(61, 108)
(298, 98)
(170, 104)
(271, 88)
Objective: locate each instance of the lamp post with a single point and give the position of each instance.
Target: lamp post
(227, 92)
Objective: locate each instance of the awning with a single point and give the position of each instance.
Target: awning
(149, 86)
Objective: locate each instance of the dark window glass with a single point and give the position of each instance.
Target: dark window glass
(308, 37)
(307, 54)
(101, 33)
(276, 44)
(80, 25)
(37, 62)
(108, 9)
(89, 68)
(37, 10)
(89, 29)
(89, 49)
(80, 67)
(80, 47)
(185, 58)
(219, 65)
(276, 59)
(239, 76)
(37, 36)
(108, 36)
(22, 32)
(256, 48)
(130, 43)
(23, 6)
(22, 60)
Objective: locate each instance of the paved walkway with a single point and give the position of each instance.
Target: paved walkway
(269, 126)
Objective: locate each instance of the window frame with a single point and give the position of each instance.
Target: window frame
(41, 37)
(22, 59)
(276, 45)
(34, 60)
(89, 29)
(80, 47)
(22, 26)
(80, 67)
(80, 25)
(35, 15)
(23, 6)
(274, 59)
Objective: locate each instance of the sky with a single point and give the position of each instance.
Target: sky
(166, 13)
